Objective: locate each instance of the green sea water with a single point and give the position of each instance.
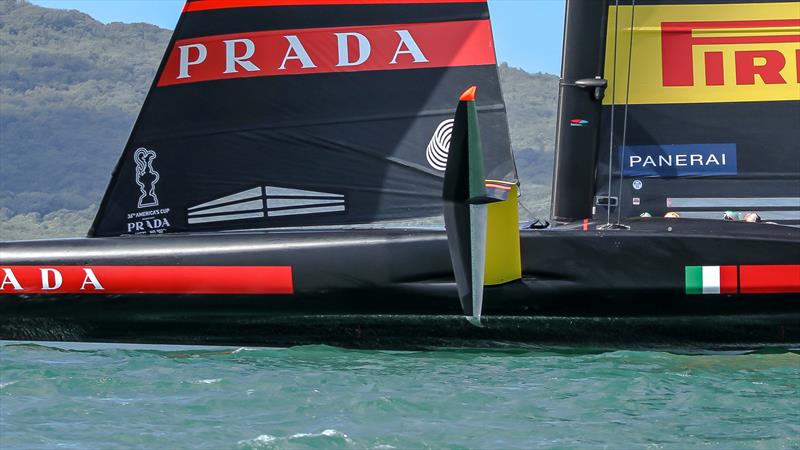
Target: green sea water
(110, 397)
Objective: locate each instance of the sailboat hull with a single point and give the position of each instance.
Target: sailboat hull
(394, 288)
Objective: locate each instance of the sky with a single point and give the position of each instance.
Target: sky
(528, 33)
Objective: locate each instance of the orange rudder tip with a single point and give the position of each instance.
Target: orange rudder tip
(469, 94)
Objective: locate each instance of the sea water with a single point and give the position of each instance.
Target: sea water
(323, 397)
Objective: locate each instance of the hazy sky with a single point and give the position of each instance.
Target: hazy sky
(528, 33)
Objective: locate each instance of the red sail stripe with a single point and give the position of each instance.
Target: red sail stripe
(205, 5)
(728, 279)
(146, 279)
(443, 44)
(770, 279)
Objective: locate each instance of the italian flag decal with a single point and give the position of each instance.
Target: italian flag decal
(751, 279)
(712, 279)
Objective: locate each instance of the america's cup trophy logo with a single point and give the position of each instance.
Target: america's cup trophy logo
(146, 177)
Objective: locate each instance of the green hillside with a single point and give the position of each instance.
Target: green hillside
(70, 89)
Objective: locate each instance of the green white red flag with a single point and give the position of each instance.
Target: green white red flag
(746, 279)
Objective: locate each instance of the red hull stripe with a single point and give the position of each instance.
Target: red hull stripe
(205, 5)
(146, 280)
(728, 279)
(440, 44)
(773, 279)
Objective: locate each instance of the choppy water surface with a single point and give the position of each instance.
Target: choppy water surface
(324, 397)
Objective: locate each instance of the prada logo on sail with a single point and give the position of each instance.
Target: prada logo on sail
(326, 50)
(679, 160)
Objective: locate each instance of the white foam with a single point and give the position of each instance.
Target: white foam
(244, 349)
(326, 433)
(208, 381)
(264, 439)
(269, 441)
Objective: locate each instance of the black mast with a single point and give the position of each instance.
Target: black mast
(580, 103)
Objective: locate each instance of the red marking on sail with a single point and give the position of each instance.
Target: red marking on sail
(728, 279)
(205, 5)
(322, 50)
(146, 280)
(770, 279)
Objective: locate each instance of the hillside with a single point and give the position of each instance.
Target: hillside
(70, 89)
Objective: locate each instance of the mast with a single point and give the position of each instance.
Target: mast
(580, 102)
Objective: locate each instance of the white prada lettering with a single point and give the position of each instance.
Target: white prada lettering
(185, 62)
(9, 278)
(296, 51)
(411, 48)
(91, 278)
(364, 49)
(232, 60)
(58, 280)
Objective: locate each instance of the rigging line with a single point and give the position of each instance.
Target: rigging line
(530, 215)
(613, 104)
(627, 103)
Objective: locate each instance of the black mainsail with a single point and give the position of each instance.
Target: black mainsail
(272, 113)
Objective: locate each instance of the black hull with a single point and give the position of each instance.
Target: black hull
(391, 288)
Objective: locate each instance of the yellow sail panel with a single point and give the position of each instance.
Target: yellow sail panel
(743, 52)
(503, 260)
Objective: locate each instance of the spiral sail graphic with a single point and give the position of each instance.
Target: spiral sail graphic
(439, 146)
